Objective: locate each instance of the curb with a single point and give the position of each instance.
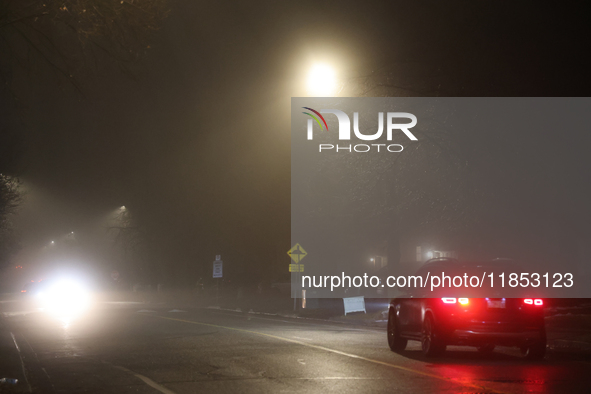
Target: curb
(568, 345)
(373, 324)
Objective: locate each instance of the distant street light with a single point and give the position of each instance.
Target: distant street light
(322, 81)
(52, 242)
(123, 207)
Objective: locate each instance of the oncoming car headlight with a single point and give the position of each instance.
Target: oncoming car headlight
(65, 298)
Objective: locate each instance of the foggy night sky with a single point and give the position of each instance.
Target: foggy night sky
(198, 142)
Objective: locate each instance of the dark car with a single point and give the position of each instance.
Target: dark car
(480, 322)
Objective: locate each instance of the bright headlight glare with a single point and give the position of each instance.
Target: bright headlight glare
(66, 298)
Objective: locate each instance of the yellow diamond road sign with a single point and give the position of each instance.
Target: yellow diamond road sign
(297, 253)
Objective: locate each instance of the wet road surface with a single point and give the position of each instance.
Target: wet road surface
(135, 348)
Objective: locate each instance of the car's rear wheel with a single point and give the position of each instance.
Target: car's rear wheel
(536, 351)
(430, 342)
(486, 349)
(395, 341)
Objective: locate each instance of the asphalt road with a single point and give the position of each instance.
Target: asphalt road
(133, 348)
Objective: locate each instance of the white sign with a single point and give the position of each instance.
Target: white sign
(354, 304)
(217, 269)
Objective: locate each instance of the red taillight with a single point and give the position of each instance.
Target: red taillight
(448, 300)
(530, 301)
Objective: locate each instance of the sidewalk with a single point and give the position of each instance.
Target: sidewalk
(569, 328)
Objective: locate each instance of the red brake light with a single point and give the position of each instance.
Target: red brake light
(536, 301)
(448, 300)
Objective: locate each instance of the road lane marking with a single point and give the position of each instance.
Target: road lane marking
(18, 313)
(27, 388)
(146, 380)
(350, 355)
(43, 386)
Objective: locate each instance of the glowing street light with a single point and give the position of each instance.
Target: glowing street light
(322, 81)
